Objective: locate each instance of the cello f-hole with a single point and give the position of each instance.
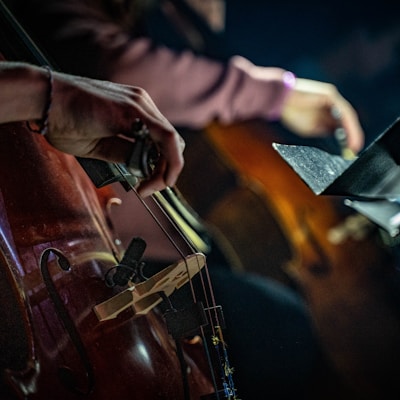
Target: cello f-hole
(66, 374)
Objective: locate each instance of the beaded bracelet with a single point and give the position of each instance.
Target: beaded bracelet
(43, 123)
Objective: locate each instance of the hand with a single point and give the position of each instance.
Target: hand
(91, 118)
(312, 109)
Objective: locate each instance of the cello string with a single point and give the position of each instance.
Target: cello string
(169, 237)
(154, 217)
(217, 336)
(228, 388)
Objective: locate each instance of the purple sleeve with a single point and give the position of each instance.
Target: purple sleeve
(192, 90)
(189, 90)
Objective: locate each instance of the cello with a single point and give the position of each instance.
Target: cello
(57, 251)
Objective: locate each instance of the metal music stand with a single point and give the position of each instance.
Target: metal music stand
(371, 181)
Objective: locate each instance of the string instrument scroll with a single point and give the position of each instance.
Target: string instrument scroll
(60, 268)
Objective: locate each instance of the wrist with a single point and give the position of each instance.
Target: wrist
(23, 94)
(289, 80)
(41, 125)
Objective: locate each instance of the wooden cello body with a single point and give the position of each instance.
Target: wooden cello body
(55, 248)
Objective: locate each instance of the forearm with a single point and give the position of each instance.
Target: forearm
(23, 91)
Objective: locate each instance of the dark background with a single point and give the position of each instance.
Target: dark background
(353, 44)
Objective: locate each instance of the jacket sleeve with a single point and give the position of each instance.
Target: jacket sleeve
(190, 90)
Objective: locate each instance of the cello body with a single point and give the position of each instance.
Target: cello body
(55, 248)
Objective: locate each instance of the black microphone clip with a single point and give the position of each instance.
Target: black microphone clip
(130, 267)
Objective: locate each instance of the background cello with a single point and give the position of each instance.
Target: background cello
(272, 224)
